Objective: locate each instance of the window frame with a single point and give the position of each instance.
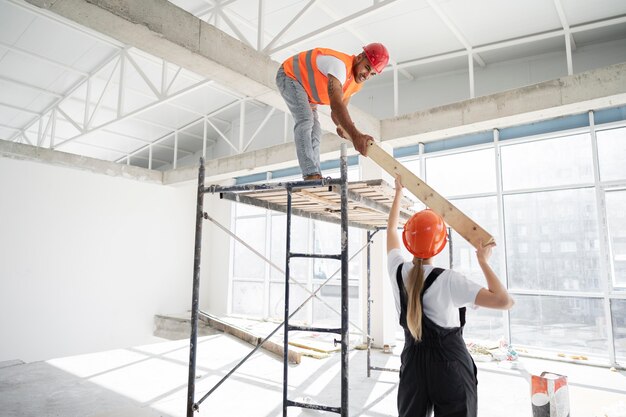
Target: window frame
(608, 291)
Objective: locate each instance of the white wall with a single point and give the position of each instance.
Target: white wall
(86, 260)
(216, 262)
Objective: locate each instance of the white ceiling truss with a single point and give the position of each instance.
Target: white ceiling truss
(102, 100)
(121, 89)
(218, 9)
(97, 97)
(333, 26)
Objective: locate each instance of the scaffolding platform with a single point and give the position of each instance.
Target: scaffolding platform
(368, 207)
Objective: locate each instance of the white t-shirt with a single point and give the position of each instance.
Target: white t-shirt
(328, 64)
(449, 292)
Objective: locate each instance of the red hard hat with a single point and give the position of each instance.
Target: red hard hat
(425, 234)
(377, 55)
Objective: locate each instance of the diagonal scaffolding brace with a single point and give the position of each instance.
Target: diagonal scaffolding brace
(273, 332)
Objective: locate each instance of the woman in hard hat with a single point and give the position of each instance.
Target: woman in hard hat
(437, 372)
(325, 76)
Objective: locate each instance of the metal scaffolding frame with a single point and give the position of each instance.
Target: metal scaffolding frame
(238, 193)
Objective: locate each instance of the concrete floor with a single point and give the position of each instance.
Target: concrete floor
(151, 381)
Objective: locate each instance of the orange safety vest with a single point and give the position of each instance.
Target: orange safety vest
(303, 68)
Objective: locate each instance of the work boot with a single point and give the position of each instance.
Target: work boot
(313, 177)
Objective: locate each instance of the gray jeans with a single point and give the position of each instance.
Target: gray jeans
(307, 131)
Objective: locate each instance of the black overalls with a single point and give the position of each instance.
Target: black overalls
(438, 372)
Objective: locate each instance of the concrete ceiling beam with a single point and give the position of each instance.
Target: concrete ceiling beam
(24, 152)
(266, 159)
(591, 90)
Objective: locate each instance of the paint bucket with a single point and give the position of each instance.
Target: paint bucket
(549, 395)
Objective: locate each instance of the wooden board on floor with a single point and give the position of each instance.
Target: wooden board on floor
(309, 352)
(270, 345)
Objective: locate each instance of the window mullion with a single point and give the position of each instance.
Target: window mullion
(606, 273)
(504, 270)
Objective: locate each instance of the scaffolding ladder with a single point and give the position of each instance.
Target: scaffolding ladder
(343, 330)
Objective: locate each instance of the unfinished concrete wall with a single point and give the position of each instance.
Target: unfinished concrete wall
(86, 259)
(437, 90)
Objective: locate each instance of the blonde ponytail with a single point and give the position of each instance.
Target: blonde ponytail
(414, 301)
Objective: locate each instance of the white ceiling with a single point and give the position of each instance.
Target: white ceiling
(68, 88)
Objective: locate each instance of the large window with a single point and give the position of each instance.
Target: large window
(545, 163)
(552, 240)
(618, 312)
(563, 324)
(298, 268)
(560, 202)
(462, 173)
(258, 288)
(552, 235)
(612, 154)
(248, 273)
(555, 205)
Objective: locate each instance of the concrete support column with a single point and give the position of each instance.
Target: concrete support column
(383, 315)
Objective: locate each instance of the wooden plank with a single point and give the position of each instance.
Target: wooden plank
(456, 219)
(269, 345)
(314, 342)
(323, 202)
(308, 352)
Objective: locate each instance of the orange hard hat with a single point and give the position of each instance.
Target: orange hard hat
(425, 234)
(377, 55)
